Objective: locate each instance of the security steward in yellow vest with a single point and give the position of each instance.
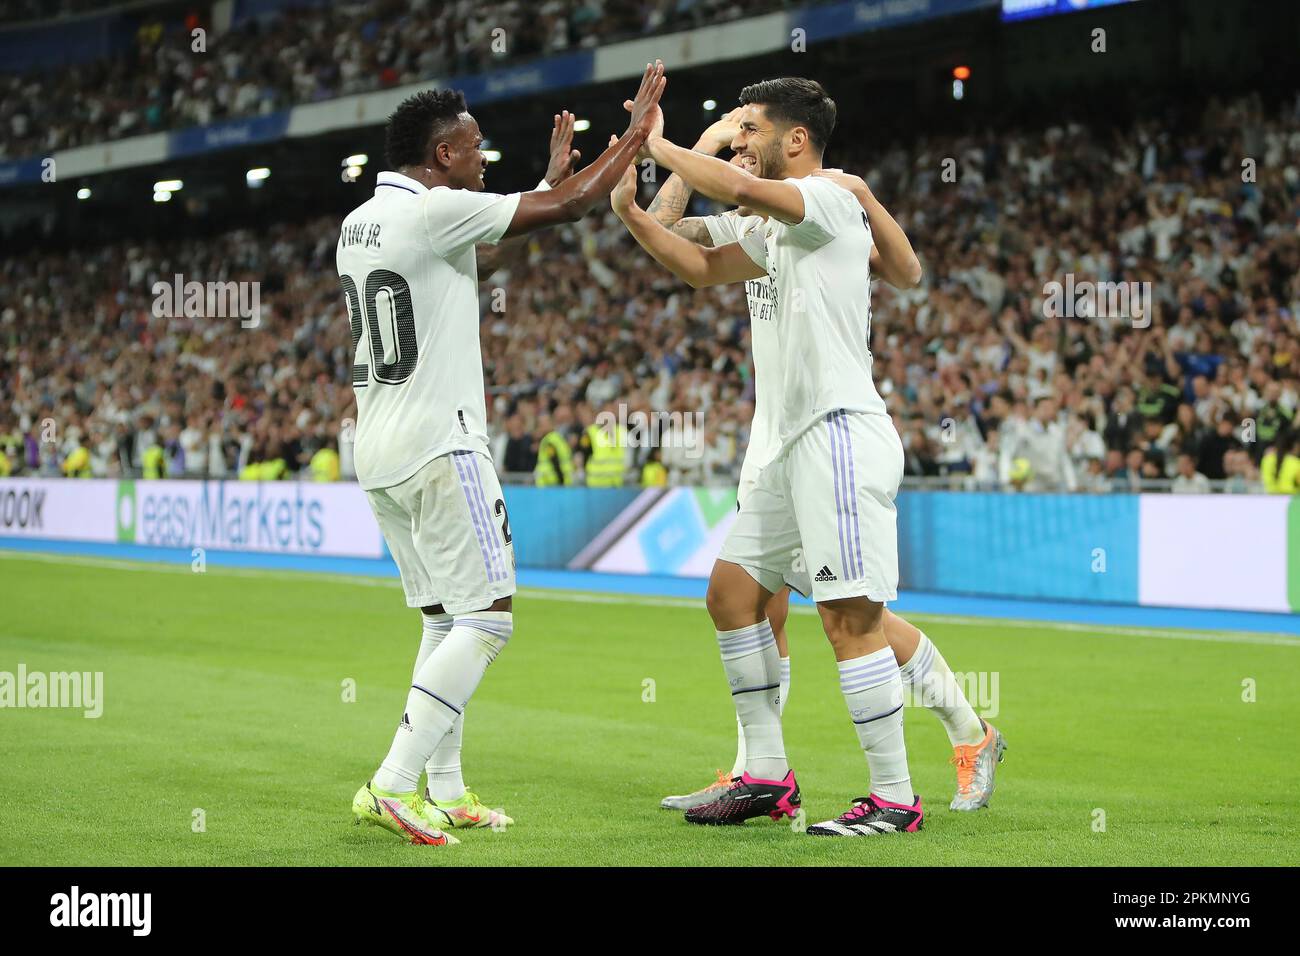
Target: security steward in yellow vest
(554, 461)
(325, 464)
(154, 463)
(1281, 473)
(605, 456)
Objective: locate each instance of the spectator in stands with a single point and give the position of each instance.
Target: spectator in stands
(1280, 469)
(1273, 419)
(1189, 480)
(554, 455)
(653, 472)
(519, 454)
(1212, 456)
(306, 53)
(590, 316)
(1123, 424)
(1042, 443)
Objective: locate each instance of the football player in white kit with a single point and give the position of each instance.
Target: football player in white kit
(826, 501)
(977, 746)
(409, 267)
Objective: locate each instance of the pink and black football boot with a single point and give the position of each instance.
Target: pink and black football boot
(871, 816)
(749, 797)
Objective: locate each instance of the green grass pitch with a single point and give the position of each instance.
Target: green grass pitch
(224, 691)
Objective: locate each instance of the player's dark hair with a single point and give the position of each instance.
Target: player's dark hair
(794, 101)
(420, 121)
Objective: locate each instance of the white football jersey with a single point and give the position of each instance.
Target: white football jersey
(765, 429)
(821, 279)
(410, 278)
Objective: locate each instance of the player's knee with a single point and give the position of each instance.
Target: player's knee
(850, 620)
(493, 628)
(715, 600)
(728, 609)
(734, 603)
(843, 643)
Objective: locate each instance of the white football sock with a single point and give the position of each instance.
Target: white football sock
(445, 781)
(753, 668)
(443, 769)
(738, 767)
(442, 686)
(873, 692)
(928, 676)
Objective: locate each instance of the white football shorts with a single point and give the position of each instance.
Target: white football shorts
(449, 533)
(821, 517)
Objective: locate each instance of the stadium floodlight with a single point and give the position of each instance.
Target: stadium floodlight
(352, 173)
(492, 155)
(356, 159)
(162, 195)
(958, 89)
(168, 186)
(710, 104)
(581, 126)
(83, 192)
(255, 177)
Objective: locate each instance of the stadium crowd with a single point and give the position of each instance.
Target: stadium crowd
(990, 383)
(308, 53)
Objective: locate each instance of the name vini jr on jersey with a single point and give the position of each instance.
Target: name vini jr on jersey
(360, 234)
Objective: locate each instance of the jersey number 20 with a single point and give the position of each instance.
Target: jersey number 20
(387, 295)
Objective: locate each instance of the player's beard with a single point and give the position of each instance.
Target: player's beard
(771, 161)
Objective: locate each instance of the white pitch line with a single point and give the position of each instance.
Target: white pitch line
(126, 564)
(647, 600)
(1115, 630)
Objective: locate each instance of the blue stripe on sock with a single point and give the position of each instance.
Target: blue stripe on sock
(425, 690)
(879, 716)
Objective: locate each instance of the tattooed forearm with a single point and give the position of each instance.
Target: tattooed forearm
(694, 229)
(669, 204)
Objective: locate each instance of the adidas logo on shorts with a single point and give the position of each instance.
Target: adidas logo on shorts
(825, 574)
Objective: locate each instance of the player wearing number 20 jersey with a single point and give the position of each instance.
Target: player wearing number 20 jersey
(408, 266)
(406, 259)
(407, 263)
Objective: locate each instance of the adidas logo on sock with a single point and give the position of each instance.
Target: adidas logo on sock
(825, 574)
(406, 724)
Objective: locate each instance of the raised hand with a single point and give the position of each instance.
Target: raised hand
(563, 156)
(624, 195)
(721, 132)
(645, 111)
(854, 184)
